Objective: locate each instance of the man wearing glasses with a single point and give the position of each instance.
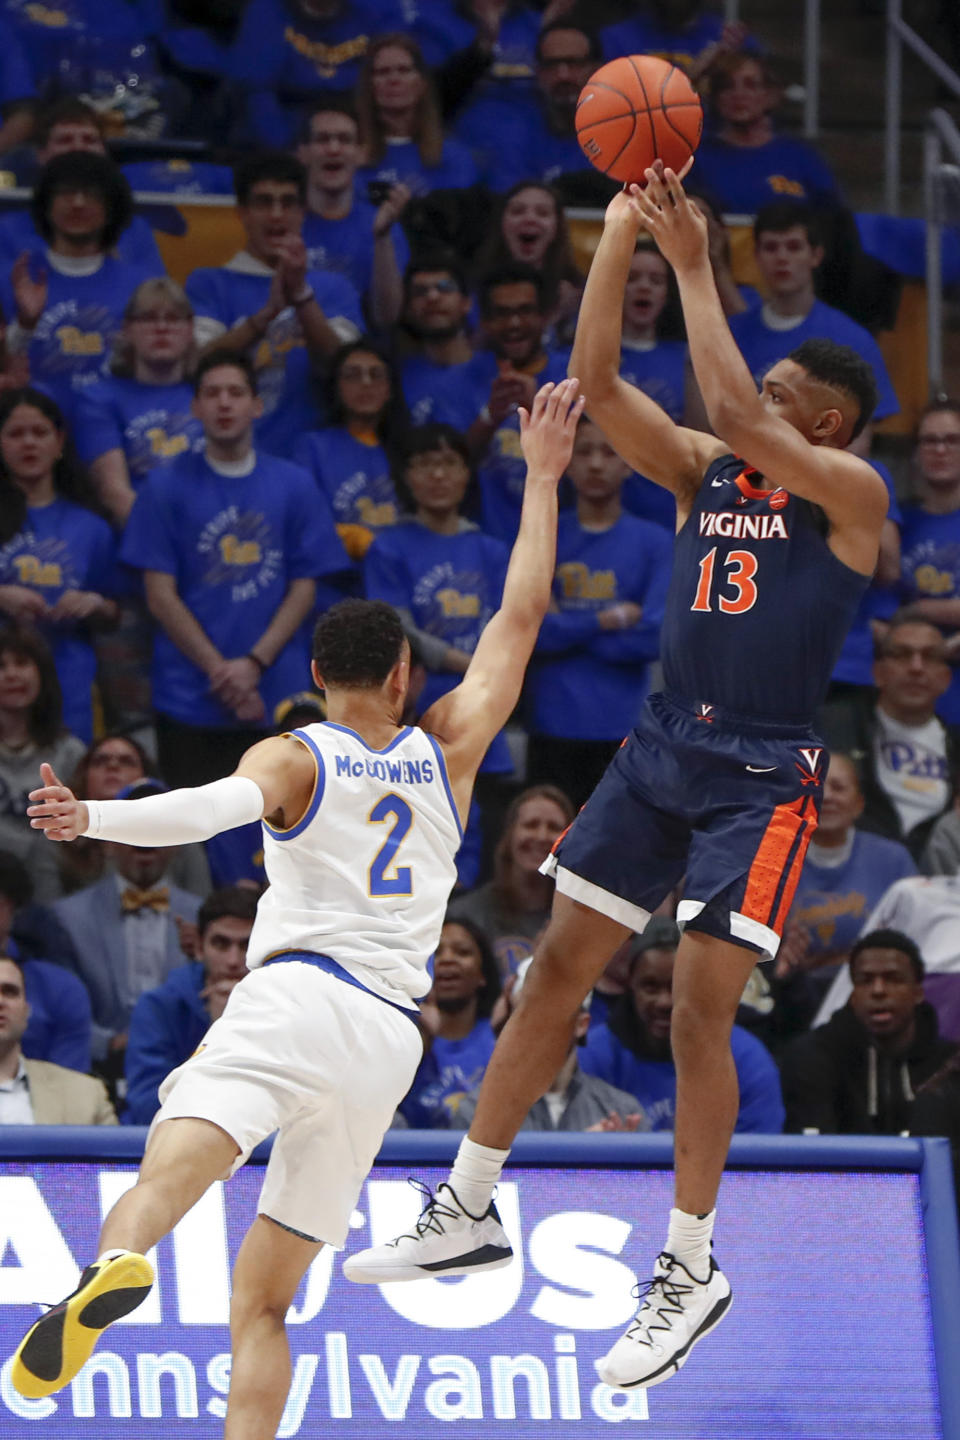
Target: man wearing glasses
(435, 310)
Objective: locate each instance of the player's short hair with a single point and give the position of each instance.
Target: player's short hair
(275, 165)
(82, 170)
(235, 358)
(433, 262)
(238, 902)
(513, 274)
(782, 215)
(570, 22)
(840, 368)
(356, 644)
(889, 940)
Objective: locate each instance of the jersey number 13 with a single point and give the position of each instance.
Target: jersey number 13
(742, 567)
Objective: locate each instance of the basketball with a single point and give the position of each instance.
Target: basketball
(635, 110)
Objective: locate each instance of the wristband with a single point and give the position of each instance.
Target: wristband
(304, 298)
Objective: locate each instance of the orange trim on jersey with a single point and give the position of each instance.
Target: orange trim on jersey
(773, 851)
(793, 879)
(555, 846)
(751, 491)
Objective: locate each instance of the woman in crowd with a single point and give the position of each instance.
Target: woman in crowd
(514, 906)
(531, 228)
(350, 460)
(139, 418)
(930, 534)
(57, 561)
(109, 767)
(31, 731)
(456, 1015)
(400, 126)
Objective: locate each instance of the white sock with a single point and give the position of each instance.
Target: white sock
(688, 1240)
(474, 1176)
(110, 1255)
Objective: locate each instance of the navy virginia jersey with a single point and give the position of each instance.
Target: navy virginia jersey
(758, 605)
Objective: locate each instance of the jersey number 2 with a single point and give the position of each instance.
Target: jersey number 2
(743, 565)
(380, 881)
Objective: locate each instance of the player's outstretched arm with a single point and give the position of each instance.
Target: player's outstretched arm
(467, 719)
(273, 778)
(637, 428)
(851, 492)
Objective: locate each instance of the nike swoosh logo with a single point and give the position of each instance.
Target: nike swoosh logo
(714, 483)
(762, 769)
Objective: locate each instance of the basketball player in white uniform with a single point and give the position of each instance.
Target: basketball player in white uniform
(362, 819)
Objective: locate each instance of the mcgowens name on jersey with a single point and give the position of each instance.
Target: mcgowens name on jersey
(743, 527)
(407, 772)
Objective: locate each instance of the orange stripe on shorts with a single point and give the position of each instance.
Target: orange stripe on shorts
(766, 871)
(793, 879)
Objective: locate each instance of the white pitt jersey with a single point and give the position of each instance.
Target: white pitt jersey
(365, 875)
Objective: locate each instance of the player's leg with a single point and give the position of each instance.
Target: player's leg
(182, 1159)
(271, 1263)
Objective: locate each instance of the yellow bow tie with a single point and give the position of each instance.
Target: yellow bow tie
(133, 899)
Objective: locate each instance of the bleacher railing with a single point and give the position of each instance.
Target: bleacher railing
(900, 34)
(941, 205)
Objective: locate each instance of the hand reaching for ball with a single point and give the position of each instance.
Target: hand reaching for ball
(679, 228)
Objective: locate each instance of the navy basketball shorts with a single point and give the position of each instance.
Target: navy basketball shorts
(727, 802)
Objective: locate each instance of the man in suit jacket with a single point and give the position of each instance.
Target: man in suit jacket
(34, 1092)
(126, 932)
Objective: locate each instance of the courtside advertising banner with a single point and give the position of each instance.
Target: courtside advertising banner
(830, 1333)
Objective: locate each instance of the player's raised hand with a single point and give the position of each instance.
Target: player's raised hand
(547, 430)
(678, 227)
(55, 809)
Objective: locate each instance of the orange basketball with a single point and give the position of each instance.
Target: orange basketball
(635, 110)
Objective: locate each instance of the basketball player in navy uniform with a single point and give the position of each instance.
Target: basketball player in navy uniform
(778, 528)
(362, 818)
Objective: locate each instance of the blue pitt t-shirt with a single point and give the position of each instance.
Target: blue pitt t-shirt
(345, 246)
(450, 1070)
(233, 545)
(833, 902)
(151, 424)
(354, 476)
(762, 347)
(62, 547)
(402, 165)
(511, 141)
(930, 570)
(226, 294)
(744, 178)
(71, 344)
(451, 585)
(587, 683)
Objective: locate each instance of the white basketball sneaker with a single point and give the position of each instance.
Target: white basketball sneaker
(446, 1240)
(677, 1311)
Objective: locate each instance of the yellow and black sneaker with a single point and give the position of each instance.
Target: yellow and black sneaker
(58, 1346)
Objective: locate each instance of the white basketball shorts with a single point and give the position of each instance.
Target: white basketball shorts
(325, 1064)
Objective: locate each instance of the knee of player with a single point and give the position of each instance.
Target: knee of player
(253, 1305)
(696, 1028)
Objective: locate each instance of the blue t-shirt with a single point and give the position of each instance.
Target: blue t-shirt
(646, 35)
(930, 570)
(354, 477)
(16, 74)
(402, 165)
(71, 344)
(832, 903)
(345, 246)
(744, 178)
(450, 1070)
(59, 1028)
(233, 545)
(762, 347)
(443, 29)
(511, 140)
(179, 177)
(855, 665)
(137, 245)
(423, 380)
(236, 855)
(284, 57)
(654, 1082)
(151, 424)
(62, 547)
(587, 683)
(283, 363)
(659, 372)
(61, 32)
(502, 469)
(451, 585)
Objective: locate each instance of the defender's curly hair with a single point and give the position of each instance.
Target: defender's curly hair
(356, 644)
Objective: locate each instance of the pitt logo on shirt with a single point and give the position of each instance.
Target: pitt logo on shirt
(234, 551)
(743, 527)
(456, 605)
(166, 446)
(74, 341)
(31, 570)
(579, 582)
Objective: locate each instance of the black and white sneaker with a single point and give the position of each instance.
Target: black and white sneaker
(677, 1311)
(446, 1240)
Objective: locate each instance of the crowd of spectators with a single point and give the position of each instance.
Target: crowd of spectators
(190, 473)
